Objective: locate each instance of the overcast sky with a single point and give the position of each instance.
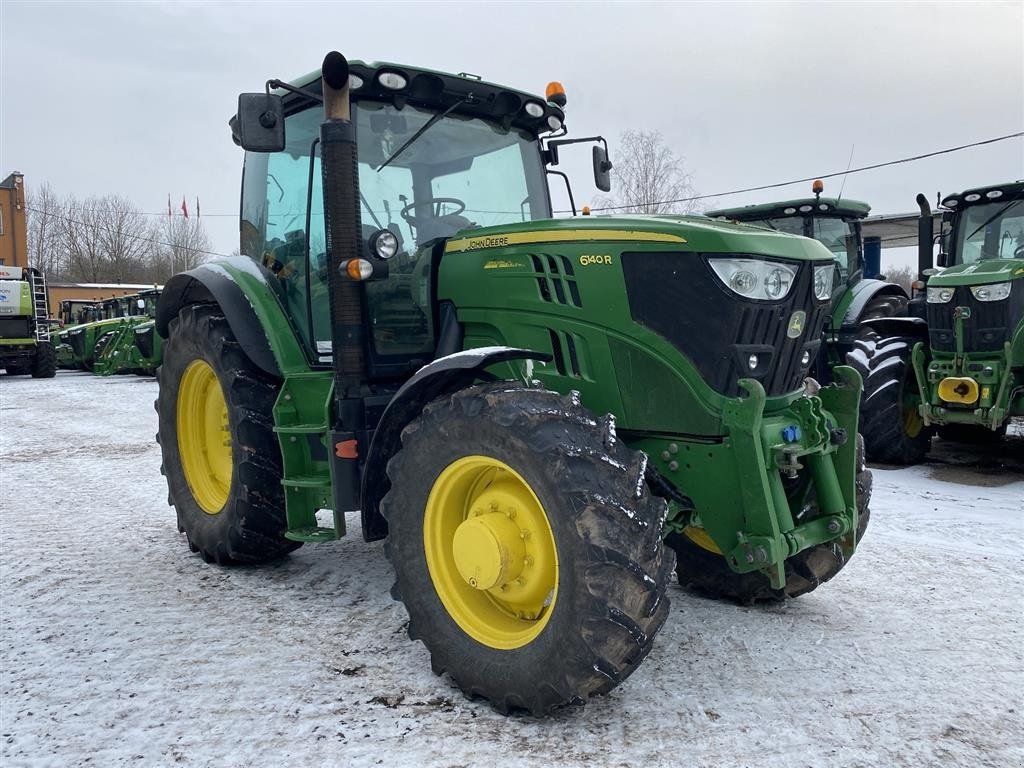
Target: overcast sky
(133, 99)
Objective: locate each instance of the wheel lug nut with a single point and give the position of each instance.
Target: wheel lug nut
(520, 582)
(524, 535)
(494, 506)
(527, 560)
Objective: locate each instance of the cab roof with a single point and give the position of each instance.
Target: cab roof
(834, 207)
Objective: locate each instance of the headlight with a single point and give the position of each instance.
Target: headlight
(754, 278)
(824, 276)
(940, 295)
(994, 292)
(383, 244)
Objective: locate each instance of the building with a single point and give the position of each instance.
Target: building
(13, 228)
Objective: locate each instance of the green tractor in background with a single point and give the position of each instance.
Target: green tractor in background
(958, 360)
(25, 345)
(895, 428)
(81, 345)
(526, 409)
(133, 346)
(73, 312)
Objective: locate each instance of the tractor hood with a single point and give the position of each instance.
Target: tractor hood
(686, 233)
(980, 273)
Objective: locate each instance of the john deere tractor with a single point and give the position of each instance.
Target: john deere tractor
(522, 407)
(133, 345)
(81, 345)
(25, 346)
(958, 360)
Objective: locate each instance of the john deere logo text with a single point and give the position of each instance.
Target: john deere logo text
(589, 258)
(487, 242)
(796, 324)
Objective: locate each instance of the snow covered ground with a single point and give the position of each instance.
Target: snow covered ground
(119, 647)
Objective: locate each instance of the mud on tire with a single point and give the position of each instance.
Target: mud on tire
(707, 573)
(250, 526)
(613, 570)
(892, 429)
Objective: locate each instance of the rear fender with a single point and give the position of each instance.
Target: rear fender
(905, 327)
(863, 292)
(444, 375)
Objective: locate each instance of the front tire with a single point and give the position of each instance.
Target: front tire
(45, 364)
(893, 430)
(220, 455)
(526, 546)
(702, 568)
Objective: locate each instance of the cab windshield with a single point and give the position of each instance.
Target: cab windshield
(835, 234)
(461, 173)
(991, 231)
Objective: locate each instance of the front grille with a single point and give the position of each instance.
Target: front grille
(678, 296)
(15, 328)
(991, 324)
(77, 342)
(144, 341)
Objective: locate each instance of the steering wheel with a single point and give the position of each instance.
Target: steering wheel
(437, 203)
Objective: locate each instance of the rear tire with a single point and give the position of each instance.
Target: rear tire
(886, 305)
(889, 421)
(707, 573)
(607, 599)
(45, 364)
(249, 524)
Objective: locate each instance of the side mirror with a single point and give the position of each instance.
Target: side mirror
(260, 122)
(942, 259)
(141, 303)
(602, 169)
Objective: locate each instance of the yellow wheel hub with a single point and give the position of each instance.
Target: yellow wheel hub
(204, 436)
(701, 538)
(490, 552)
(912, 422)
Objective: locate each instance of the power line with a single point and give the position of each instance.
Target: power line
(123, 234)
(811, 178)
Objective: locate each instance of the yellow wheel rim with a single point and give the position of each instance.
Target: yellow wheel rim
(912, 422)
(701, 538)
(204, 436)
(490, 552)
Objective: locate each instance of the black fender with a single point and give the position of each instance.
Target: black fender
(863, 292)
(904, 327)
(446, 374)
(206, 284)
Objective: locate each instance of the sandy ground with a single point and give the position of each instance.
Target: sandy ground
(119, 647)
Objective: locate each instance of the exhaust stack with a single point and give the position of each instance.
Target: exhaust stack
(925, 237)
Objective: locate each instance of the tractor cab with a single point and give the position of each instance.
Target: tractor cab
(75, 311)
(983, 225)
(438, 155)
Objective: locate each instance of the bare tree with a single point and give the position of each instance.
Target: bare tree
(183, 245)
(645, 173)
(124, 236)
(82, 231)
(46, 250)
(902, 276)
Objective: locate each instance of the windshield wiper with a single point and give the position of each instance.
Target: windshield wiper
(423, 130)
(994, 216)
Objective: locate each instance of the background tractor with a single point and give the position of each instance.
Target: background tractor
(892, 428)
(958, 360)
(25, 345)
(81, 345)
(133, 346)
(522, 407)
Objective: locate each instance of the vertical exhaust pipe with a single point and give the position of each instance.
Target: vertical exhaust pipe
(340, 170)
(925, 237)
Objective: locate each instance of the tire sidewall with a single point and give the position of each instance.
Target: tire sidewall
(185, 346)
(560, 636)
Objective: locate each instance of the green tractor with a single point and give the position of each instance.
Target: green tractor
(73, 312)
(133, 346)
(81, 345)
(857, 297)
(958, 360)
(25, 345)
(526, 409)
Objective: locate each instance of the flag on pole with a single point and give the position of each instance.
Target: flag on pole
(169, 214)
(184, 207)
(197, 207)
